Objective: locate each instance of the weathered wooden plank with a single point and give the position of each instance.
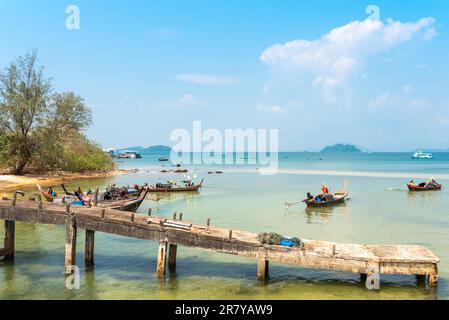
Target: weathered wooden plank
(161, 258)
(172, 251)
(262, 269)
(70, 244)
(89, 247)
(9, 240)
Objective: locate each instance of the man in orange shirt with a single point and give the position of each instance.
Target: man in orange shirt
(324, 188)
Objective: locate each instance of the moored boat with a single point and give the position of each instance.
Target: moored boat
(160, 187)
(422, 155)
(424, 187)
(327, 199)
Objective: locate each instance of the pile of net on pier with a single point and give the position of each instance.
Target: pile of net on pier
(275, 238)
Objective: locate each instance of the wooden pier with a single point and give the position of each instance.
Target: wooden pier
(361, 259)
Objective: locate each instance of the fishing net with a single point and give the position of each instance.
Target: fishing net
(269, 238)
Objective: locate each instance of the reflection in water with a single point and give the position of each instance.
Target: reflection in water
(176, 195)
(320, 213)
(414, 195)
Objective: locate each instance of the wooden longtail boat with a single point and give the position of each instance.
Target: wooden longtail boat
(60, 199)
(423, 187)
(330, 199)
(45, 194)
(170, 188)
(124, 205)
(130, 205)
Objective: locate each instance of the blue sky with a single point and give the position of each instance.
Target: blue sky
(318, 71)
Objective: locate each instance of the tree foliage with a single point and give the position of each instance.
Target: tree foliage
(37, 124)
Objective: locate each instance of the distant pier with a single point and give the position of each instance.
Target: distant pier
(171, 233)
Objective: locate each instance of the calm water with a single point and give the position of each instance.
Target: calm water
(380, 211)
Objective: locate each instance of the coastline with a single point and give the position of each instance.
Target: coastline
(12, 182)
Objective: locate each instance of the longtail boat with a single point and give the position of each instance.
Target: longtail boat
(126, 204)
(72, 199)
(174, 188)
(45, 194)
(424, 187)
(328, 199)
(130, 205)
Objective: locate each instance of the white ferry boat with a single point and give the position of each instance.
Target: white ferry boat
(422, 155)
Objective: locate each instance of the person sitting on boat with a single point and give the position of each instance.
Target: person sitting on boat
(309, 196)
(324, 188)
(411, 182)
(51, 192)
(431, 182)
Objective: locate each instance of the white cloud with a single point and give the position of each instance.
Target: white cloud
(383, 100)
(418, 103)
(209, 80)
(164, 33)
(389, 100)
(187, 100)
(272, 109)
(330, 60)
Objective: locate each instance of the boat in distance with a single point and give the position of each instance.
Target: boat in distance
(160, 187)
(423, 187)
(422, 155)
(327, 199)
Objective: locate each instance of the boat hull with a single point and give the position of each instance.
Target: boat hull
(176, 189)
(338, 198)
(418, 188)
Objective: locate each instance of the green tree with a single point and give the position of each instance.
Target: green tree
(35, 122)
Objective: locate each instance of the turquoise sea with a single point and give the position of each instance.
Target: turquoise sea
(380, 211)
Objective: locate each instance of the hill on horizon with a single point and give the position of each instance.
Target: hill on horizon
(341, 148)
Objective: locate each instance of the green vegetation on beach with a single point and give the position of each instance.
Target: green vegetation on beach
(42, 130)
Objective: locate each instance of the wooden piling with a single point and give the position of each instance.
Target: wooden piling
(89, 247)
(70, 244)
(149, 211)
(172, 250)
(433, 280)
(96, 197)
(262, 269)
(161, 258)
(8, 251)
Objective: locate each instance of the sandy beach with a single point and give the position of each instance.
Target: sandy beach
(12, 182)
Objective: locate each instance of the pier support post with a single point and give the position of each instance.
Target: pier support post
(161, 258)
(70, 245)
(433, 280)
(172, 249)
(262, 269)
(89, 247)
(8, 251)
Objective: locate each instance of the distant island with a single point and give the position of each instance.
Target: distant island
(159, 149)
(341, 148)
